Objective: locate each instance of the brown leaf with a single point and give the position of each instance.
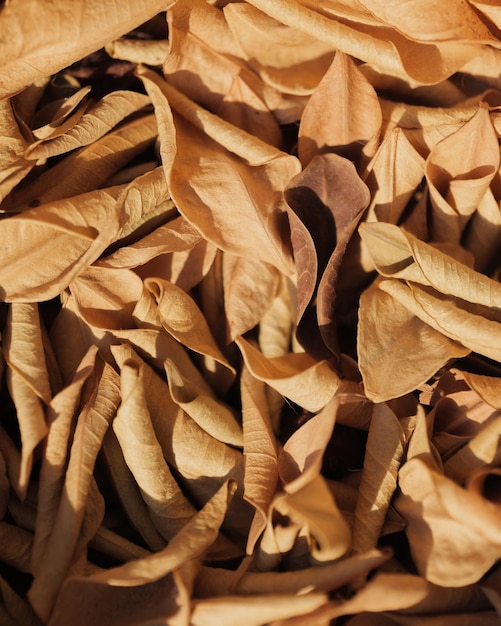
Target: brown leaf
(458, 184)
(30, 52)
(168, 507)
(342, 116)
(254, 183)
(93, 124)
(87, 169)
(249, 288)
(297, 376)
(453, 532)
(287, 58)
(93, 421)
(46, 247)
(14, 165)
(384, 453)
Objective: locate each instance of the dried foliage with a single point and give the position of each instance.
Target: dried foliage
(250, 313)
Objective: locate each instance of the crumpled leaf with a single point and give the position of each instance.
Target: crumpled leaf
(354, 115)
(458, 185)
(14, 165)
(139, 577)
(97, 413)
(384, 453)
(30, 52)
(95, 122)
(169, 508)
(78, 230)
(453, 532)
(253, 189)
(28, 380)
(297, 376)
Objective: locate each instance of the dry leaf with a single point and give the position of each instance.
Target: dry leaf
(350, 131)
(30, 53)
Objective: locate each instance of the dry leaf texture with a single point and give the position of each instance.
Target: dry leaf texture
(250, 313)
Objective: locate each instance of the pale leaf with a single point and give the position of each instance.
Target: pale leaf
(30, 52)
(342, 116)
(297, 376)
(169, 508)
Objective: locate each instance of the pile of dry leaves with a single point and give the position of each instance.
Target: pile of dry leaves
(250, 313)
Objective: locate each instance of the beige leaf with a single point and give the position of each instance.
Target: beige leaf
(14, 166)
(393, 176)
(249, 288)
(384, 453)
(92, 424)
(129, 493)
(43, 249)
(30, 52)
(251, 610)
(453, 533)
(106, 298)
(147, 51)
(61, 412)
(150, 589)
(297, 376)
(169, 508)
(287, 58)
(28, 382)
(260, 446)
(212, 582)
(94, 123)
(379, 45)
(457, 184)
(87, 169)
(456, 22)
(177, 235)
(212, 415)
(391, 339)
(181, 317)
(343, 115)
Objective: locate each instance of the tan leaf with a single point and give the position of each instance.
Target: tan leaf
(458, 22)
(177, 235)
(249, 288)
(287, 58)
(201, 474)
(86, 169)
(93, 421)
(453, 533)
(169, 508)
(260, 446)
(251, 610)
(45, 248)
(130, 496)
(29, 52)
(458, 184)
(93, 124)
(147, 51)
(181, 317)
(212, 415)
(255, 175)
(149, 589)
(212, 582)
(393, 176)
(342, 116)
(384, 453)
(14, 166)
(28, 382)
(297, 376)
(61, 413)
(106, 298)
(379, 45)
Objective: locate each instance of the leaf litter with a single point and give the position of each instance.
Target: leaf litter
(250, 313)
